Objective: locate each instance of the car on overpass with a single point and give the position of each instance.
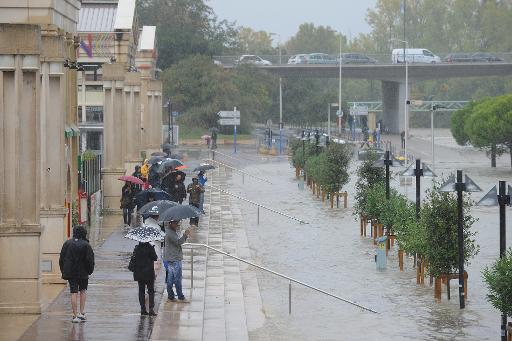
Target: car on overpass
(356, 58)
(459, 58)
(298, 59)
(486, 57)
(320, 58)
(252, 60)
(414, 56)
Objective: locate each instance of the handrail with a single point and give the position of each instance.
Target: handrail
(214, 151)
(281, 275)
(259, 205)
(238, 170)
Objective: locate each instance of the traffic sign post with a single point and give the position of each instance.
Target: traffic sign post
(230, 118)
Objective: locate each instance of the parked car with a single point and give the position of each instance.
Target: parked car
(298, 59)
(217, 62)
(252, 59)
(414, 56)
(356, 58)
(485, 57)
(320, 58)
(458, 58)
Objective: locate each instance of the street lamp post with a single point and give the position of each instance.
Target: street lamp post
(280, 96)
(459, 186)
(339, 84)
(170, 123)
(432, 112)
(502, 199)
(406, 101)
(419, 171)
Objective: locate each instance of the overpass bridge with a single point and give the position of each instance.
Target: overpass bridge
(392, 77)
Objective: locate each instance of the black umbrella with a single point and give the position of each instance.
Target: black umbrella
(180, 212)
(142, 197)
(159, 154)
(214, 129)
(155, 159)
(156, 207)
(169, 163)
(176, 156)
(145, 233)
(166, 146)
(203, 167)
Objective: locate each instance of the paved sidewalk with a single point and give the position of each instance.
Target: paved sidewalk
(112, 306)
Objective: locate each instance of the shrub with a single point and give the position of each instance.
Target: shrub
(499, 281)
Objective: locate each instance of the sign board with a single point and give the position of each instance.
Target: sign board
(359, 111)
(339, 113)
(417, 102)
(229, 121)
(175, 114)
(229, 114)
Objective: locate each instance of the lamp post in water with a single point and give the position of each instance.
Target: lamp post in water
(457, 185)
(502, 199)
(418, 172)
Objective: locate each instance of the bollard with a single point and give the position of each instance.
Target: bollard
(290, 298)
(381, 253)
(258, 215)
(401, 259)
(243, 178)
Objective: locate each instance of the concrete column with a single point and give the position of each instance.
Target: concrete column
(145, 115)
(133, 114)
(393, 99)
(20, 168)
(155, 87)
(113, 84)
(52, 148)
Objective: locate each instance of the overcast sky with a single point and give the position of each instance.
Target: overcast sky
(285, 16)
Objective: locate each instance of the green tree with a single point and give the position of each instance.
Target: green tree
(499, 281)
(311, 39)
(254, 42)
(368, 176)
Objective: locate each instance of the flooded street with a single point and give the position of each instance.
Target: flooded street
(330, 254)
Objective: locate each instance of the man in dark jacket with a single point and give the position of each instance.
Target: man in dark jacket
(194, 199)
(144, 273)
(76, 263)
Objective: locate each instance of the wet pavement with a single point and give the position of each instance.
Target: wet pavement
(112, 307)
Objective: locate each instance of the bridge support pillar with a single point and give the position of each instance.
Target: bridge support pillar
(393, 101)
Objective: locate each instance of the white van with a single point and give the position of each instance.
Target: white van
(414, 56)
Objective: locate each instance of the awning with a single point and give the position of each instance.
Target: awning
(76, 130)
(68, 132)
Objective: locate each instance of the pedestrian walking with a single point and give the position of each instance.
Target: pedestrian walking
(179, 193)
(202, 181)
(144, 170)
(127, 205)
(154, 177)
(137, 173)
(173, 255)
(402, 138)
(144, 258)
(195, 189)
(76, 264)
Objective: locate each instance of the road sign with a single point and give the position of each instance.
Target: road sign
(359, 111)
(229, 114)
(339, 113)
(175, 114)
(229, 121)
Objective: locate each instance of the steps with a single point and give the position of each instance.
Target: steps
(225, 299)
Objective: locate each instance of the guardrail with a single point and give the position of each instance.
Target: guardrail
(290, 279)
(238, 170)
(259, 205)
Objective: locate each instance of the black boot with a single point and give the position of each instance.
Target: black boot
(143, 312)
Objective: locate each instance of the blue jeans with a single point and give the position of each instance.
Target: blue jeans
(174, 277)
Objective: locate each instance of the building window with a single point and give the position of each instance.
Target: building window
(94, 140)
(94, 114)
(79, 114)
(94, 88)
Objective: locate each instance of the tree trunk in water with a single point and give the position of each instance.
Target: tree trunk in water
(493, 156)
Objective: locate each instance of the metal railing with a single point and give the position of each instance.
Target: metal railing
(91, 174)
(239, 171)
(290, 279)
(259, 205)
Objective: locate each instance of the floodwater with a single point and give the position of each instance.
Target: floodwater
(330, 254)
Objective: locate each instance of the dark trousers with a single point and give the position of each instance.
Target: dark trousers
(194, 221)
(142, 296)
(127, 216)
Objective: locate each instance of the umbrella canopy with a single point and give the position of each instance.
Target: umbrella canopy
(155, 159)
(205, 137)
(203, 167)
(214, 129)
(167, 146)
(132, 179)
(177, 156)
(169, 163)
(158, 154)
(156, 207)
(145, 233)
(180, 212)
(142, 197)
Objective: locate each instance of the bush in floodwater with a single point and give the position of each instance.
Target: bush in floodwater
(368, 176)
(499, 281)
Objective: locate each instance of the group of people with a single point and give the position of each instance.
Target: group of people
(172, 182)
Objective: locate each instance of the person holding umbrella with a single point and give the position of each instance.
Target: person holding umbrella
(127, 195)
(194, 199)
(144, 256)
(173, 255)
(202, 181)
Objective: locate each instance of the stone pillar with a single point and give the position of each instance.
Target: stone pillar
(20, 168)
(52, 148)
(155, 99)
(113, 165)
(133, 114)
(145, 115)
(393, 99)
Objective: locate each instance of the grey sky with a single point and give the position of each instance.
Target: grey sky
(285, 16)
